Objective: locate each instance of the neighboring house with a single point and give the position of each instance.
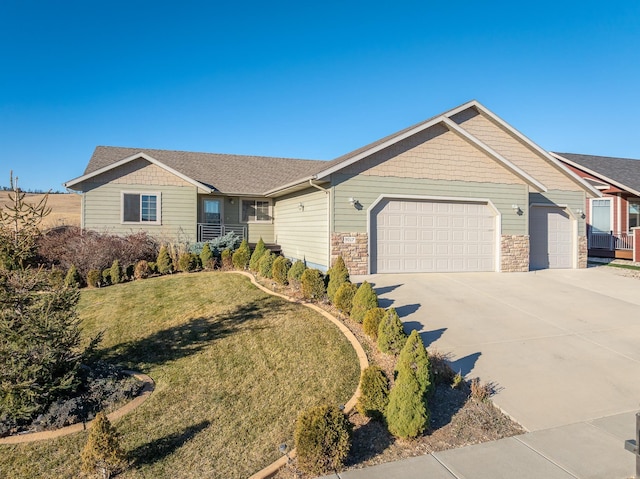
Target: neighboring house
(462, 191)
(610, 219)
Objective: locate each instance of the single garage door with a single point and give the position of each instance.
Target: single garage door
(551, 238)
(413, 236)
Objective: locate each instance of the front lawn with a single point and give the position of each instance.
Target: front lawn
(233, 367)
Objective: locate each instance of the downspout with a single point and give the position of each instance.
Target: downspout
(328, 193)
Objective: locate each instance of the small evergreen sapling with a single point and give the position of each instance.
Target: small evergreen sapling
(338, 274)
(343, 299)
(312, 282)
(407, 415)
(372, 320)
(322, 439)
(415, 360)
(391, 335)
(102, 455)
(374, 393)
(295, 273)
(93, 278)
(227, 259)
(116, 272)
(266, 264)
(257, 254)
(364, 300)
(72, 279)
(241, 256)
(164, 264)
(280, 270)
(206, 255)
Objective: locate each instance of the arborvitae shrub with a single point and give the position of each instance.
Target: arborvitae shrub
(295, 273)
(364, 300)
(226, 258)
(391, 335)
(142, 270)
(266, 263)
(343, 299)
(164, 264)
(322, 439)
(153, 266)
(415, 360)
(371, 321)
(338, 274)
(242, 256)
(407, 414)
(206, 255)
(312, 283)
(188, 262)
(374, 393)
(93, 278)
(116, 272)
(256, 256)
(73, 277)
(102, 455)
(280, 269)
(106, 277)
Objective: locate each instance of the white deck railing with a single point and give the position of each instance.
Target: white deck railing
(611, 241)
(208, 232)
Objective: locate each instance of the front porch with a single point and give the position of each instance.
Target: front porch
(610, 244)
(210, 231)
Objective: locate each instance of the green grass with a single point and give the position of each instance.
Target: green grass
(233, 367)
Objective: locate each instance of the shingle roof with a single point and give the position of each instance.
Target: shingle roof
(230, 174)
(625, 171)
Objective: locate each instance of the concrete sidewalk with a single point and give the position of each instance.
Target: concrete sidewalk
(585, 450)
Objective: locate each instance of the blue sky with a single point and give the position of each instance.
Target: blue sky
(305, 80)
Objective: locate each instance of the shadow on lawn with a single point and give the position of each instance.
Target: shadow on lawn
(186, 339)
(158, 449)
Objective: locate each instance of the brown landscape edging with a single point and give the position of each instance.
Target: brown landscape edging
(274, 467)
(147, 389)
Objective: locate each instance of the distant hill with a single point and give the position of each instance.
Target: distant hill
(65, 208)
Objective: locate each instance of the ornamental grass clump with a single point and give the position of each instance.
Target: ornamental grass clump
(312, 284)
(257, 254)
(322, 439)
(241, 256)
(371, 322)
(374, 393)
(343, 299)
(364, 300)
(102, 456)
(391, 335)
(338, 275)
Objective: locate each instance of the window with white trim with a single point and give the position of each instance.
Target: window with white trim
(141, 208)
(255, 211)
(601, 215)
(634, 214)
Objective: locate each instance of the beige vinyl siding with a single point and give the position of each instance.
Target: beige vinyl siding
(515, 150)
(575, 200)
(303, 234)
(366, 189)
(103, 209)
(255, 231)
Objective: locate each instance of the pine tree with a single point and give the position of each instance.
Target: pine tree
(414, 359)
(256, 256)
(102, 455)
(164, 264)
(364, 300)
(206, 255)
(391, 335)
(116, 272)
(241, 256)
(72, 279)
(338, 274)
(407, 415)
(374, 393)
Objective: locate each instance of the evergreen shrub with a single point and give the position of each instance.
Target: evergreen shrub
(364, 300)
(374, 393)
(391, 335)
(241, 256)
(343, 299)
(312, 284)
(338, 274)
(280, 270)
(257, 254)
(371, 321)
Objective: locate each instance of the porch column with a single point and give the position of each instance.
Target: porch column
(636, 244)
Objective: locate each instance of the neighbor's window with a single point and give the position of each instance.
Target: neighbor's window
(256, 210)
(141, 207)
(634, 214)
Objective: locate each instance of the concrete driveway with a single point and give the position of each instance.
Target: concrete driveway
(560, 346)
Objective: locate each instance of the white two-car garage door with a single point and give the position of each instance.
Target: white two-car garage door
(414, 236)
(551, 238)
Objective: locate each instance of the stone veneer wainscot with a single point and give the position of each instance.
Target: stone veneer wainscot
(355, 255)
(514, 253)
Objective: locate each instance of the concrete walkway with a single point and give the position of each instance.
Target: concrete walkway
(586, 450)
(562, 349)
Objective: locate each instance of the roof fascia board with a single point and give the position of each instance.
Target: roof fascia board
(128, 159)
(294, 185)
(465, 135)
(544, 154)
(382, 146)
(595, 173)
